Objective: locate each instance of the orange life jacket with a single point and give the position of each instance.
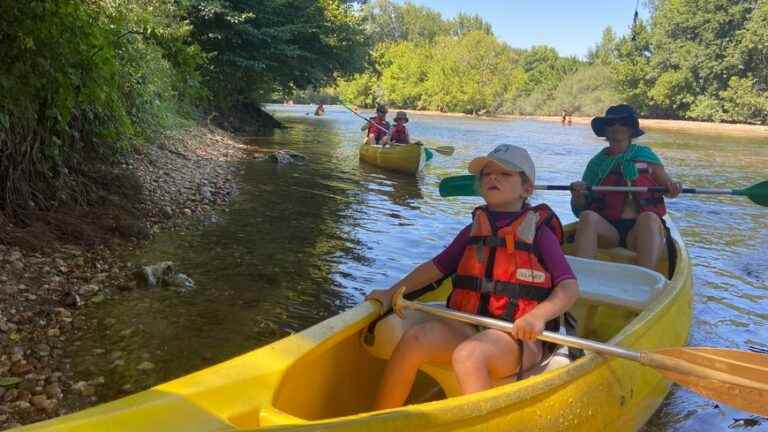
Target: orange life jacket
(499, 274)
(611, 204)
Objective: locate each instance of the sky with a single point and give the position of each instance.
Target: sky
(572, 27)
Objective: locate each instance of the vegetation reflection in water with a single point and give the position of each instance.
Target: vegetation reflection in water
(304, 242)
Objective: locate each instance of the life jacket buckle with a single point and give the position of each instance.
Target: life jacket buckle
(488, 286)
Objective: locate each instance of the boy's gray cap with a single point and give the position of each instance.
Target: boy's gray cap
(511, 157)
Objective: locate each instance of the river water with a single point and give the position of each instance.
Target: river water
(304, 242)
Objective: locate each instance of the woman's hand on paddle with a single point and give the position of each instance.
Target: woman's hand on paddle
(528, 327)
(383, 297)
(674, 189)
(578, 188)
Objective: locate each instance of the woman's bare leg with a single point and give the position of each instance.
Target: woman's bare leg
(647, 238)
(592, 230)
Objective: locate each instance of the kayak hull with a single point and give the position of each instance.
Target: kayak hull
(405, 158)
(324, 379)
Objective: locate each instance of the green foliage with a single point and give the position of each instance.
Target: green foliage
(422, 24)
(469, 74)
(586, 92)
(744, 101)
(257, 46)
(387, 22)
(604, 53)
(80, 80)
(405, 70)
(359, 90)
(464, 23)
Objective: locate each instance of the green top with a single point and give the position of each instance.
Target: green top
(602, 164)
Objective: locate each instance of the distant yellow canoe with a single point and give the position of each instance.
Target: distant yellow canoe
(406, 158)
(325, 378)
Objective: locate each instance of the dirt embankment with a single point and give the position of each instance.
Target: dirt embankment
(59, 261)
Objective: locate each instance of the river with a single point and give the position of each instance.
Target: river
(304, 242)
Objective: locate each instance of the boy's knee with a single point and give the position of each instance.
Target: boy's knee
(468, 354)
(415, 336)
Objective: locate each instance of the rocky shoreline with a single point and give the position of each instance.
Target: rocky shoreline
(183, 178)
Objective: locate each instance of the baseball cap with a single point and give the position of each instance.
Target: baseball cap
(511, 157)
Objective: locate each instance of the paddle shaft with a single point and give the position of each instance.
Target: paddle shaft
(364, 118)
(571, 341)
(658, 189)
(648, 359)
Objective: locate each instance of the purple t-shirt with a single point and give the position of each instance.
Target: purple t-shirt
(545, 246)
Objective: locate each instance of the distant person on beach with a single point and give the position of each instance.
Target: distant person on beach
(563, 117)
(320, 110)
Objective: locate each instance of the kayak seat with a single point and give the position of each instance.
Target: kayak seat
(624, 285)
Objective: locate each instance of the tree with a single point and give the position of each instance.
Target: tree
(690, 42)
(470, 74)
(258, 46)
(360, 90)
(463, 23)
(604, 53)
(405, 67)
(383, 21)
(422, 24)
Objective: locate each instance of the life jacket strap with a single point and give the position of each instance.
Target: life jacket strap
(499, 242)
(507, 289)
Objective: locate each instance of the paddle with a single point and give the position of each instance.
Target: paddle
(443, 150)
(737, 378)
(464, 185)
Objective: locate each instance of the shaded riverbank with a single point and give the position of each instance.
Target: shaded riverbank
(44, 290)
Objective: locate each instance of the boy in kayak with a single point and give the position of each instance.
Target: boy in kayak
(378, 127)
(631, 220)
(399, 133)
(507, 264)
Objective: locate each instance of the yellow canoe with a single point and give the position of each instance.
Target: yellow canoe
(324, 377)
(406, 158)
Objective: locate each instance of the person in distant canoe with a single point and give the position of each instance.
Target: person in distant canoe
(526, 281)
(632, 220)
(377, 129)
(399, 133)
(320, 110)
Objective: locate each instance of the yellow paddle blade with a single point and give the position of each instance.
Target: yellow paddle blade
(736, 378)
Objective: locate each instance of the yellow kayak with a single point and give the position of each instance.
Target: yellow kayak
(325, 377)
(406, 158)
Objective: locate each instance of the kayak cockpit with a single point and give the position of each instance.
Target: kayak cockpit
(343, 379)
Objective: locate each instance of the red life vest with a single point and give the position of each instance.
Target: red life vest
(377, 131)
(399, 133)
(611, 204)
(499, 274)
